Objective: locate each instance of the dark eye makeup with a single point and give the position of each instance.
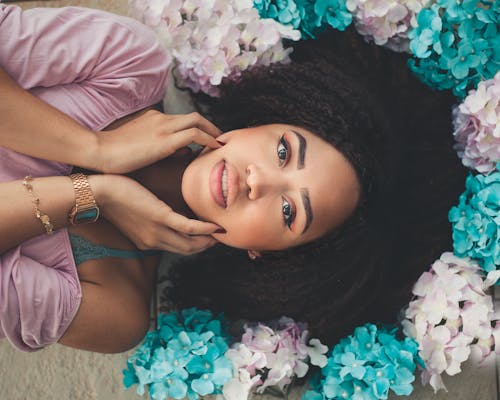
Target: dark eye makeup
(283, 151)
(288, 212)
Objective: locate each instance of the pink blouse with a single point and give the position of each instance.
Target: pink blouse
(96, 67)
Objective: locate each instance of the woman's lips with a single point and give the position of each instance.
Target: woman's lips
(215, 183)
(224, 193)
(232, 183)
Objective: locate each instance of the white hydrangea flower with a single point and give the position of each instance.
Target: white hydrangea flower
(476, 125)
(212, 40)
(450, 316)
(386, 22)
(239, 388)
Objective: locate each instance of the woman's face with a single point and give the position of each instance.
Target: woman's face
(271, 187)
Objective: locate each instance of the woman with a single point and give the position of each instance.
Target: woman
(44, 297)
(264, 186)
(396, 134)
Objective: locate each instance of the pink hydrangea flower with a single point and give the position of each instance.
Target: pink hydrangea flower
(451, 316)
(213, 40)
(386, 22)
(271, 356)
(477, 126)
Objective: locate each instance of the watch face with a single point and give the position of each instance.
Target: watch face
(86, 216)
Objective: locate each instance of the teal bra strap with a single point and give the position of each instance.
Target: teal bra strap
(84, 250)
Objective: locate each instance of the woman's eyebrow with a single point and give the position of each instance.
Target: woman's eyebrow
(302, 150)
(306, 201)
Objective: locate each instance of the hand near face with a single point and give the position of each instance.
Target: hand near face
(150, 137)
(146, 220)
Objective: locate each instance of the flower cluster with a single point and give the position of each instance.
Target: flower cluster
(183, 357)
(476, 220)
(214, 39)
(477, 126)
(449, 313)
(455, 44)
(308, 16)
(386, 22)
(366, 365)
(271, 357)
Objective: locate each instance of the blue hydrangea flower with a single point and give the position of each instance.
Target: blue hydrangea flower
(333, 13)
(366, 365)
(286, 12)
(456, 44)
(183, 357)
(311, 17)
(476, 220)
(428, 32)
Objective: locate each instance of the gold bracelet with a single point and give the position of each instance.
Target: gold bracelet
(44, 218)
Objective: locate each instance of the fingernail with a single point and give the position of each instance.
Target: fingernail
(221, 143)
(221, 230)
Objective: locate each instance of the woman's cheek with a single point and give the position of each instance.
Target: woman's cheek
(248, 233)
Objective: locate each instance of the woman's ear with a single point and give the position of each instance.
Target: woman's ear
(254, 254)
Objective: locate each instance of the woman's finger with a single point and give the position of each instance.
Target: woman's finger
(188, 226)
(188, 136)
(193, 120)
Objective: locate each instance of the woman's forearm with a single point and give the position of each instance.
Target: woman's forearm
(30, 126)
(17, 212)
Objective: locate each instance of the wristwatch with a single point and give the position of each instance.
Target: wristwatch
(85, 209)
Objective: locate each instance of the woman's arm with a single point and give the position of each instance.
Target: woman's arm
(97, 67)
(30, 126)
(19, 223)
(94, 66)
(141, 216)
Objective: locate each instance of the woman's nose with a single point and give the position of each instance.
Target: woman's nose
(259, 181)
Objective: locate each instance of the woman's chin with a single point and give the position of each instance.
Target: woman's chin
(225, 240)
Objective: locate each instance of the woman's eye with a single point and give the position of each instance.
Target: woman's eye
(288, 212)
(282, 150)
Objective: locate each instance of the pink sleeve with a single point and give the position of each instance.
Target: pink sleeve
(93, 65)
(39, 292)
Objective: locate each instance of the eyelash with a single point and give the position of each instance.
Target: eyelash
(283, 146)
(287, 208)
(287, 219)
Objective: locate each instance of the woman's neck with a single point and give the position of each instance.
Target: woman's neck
(164, 179)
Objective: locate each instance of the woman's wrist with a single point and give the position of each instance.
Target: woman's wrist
(100, 184)
(105, 188)
(90, 152)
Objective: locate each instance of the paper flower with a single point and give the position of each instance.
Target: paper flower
(476, 125)
(386, 22)
(212, 40)
(366, 365)
(183, 357)
(476, 220)
(455, 44)
(271, 356)
(450, 312)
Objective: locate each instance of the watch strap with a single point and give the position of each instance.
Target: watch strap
(84, 201)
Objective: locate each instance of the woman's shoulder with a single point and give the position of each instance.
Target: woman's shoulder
(79, 45)
(93, 65)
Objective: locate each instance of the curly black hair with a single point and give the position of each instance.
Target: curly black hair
(396, 133)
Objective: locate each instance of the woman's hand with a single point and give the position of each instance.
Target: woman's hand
(146, 220)
(151, 137)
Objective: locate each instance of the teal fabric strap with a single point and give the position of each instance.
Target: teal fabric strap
(84, 250)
